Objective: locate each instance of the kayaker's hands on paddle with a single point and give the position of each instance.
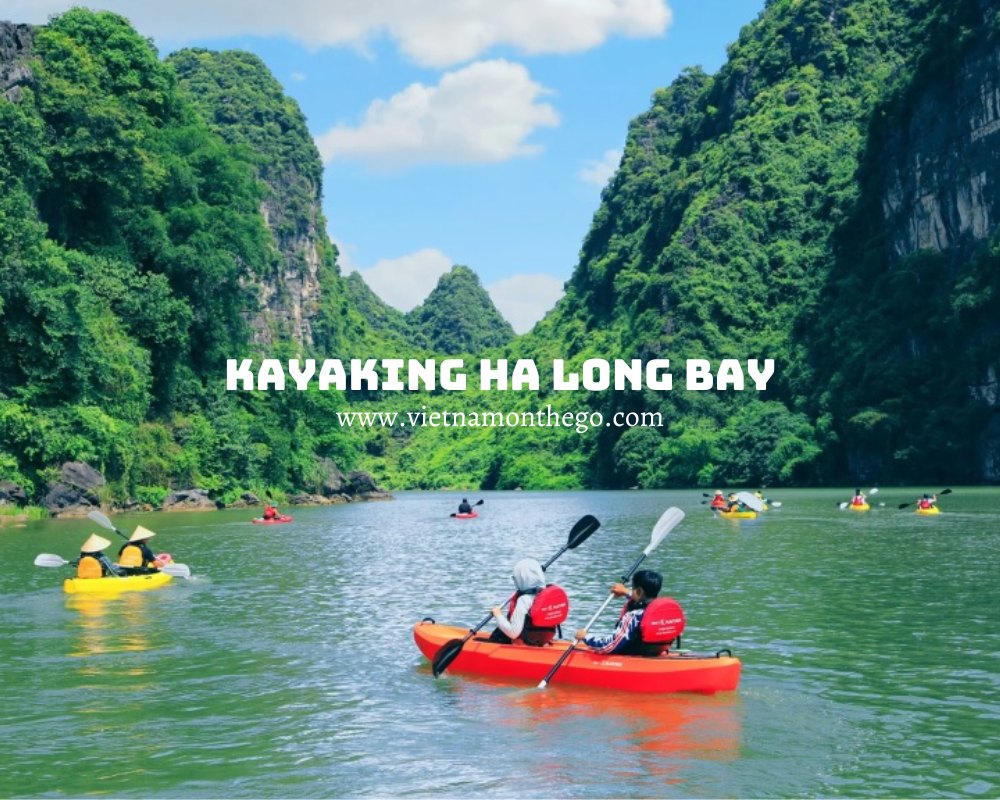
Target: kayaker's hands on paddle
(619, 590)
(497, 612)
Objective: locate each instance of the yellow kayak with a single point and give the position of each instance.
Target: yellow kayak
(737, 514)
(931, 510)
(862, 507)
(114, 585)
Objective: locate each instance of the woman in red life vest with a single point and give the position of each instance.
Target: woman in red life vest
(927, 501)
(270, 512)
(719, 501)
(535, 610)
(648, 624)
(859, 498)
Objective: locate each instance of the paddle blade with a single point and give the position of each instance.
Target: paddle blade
(776, 505)
(584, 527)
(448, 653)
(904, 505)
(669, 520)
(873, 490)
(944, 491)
(842, 506)
(750, 501)
(50, 560)
(177, 570)
(100, 519)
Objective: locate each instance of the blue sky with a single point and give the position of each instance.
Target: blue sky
(475, 132)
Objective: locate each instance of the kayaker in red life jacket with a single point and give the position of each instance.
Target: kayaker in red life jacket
(535, 610)
(464, 507)
(648, 624)
(859, 498)
(270, 512)
(719, 500)
(927, 501)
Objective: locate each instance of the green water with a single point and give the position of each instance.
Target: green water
(286, 667)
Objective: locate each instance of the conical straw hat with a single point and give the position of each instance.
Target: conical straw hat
(94, 544)
(141, 533)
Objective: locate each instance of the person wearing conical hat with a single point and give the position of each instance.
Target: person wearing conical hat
(135, 556)
(93, 563)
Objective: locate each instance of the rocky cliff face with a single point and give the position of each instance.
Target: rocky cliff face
(242, 101)
(15, 46)
(942, 191)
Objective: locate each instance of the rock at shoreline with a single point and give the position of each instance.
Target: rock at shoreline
(76, 491)
(189, 500)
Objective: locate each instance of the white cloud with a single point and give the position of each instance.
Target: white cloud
(403, 282)
(525, 299)
(436, 33)
(480, 114)
(600, 172)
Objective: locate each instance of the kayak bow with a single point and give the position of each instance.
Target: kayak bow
(113, 584)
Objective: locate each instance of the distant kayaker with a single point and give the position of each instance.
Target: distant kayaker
(648, 624)
(270, 512)
(859, 498)
(464, 507)
(535, 610)
(719, 500)
(93, 563)
(735, 504)
(927, 501)
(135, 556)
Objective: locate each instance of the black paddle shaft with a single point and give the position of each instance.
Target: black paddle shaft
(449, 651)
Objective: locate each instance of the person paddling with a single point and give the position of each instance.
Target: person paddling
(718, 500)
(270, 512)
(535, 610)
(135, 557)
(859, 498)
(93, 563)
(648, 624)
(464, 507)
(926, 502)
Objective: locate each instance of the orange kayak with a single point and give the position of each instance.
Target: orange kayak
(674, 672)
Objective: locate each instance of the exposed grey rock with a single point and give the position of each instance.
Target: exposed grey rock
(189, 500)
(11, 492)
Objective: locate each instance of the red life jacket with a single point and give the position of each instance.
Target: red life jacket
(661, 623)
(549, 609)
(925, 503)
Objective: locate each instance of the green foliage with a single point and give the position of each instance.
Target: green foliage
(459, 317)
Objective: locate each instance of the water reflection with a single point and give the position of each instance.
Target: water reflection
(104, 625)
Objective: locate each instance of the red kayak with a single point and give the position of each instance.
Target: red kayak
(675, 672)
(470, 515)
(272, 521)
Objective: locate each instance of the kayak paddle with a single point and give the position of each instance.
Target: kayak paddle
(52, 560)
(455, 513)
(669, 520)
(942, 492)
(104, 522)
(450, 650)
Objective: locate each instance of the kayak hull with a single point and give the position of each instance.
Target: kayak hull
(274, 521)
(470, 515)
(862, 507)
(737, 514)
(670, 673)
(116, 585)
(929, 511)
